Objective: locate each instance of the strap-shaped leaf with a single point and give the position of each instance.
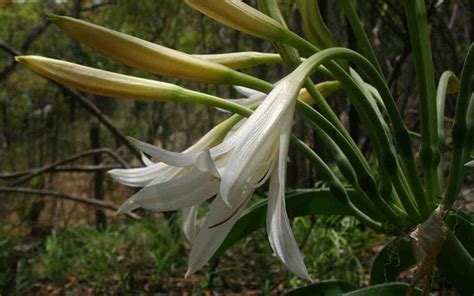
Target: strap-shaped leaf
(462, 225)
(390, 289)
(324, 288)
(395, 257)
(298, 203)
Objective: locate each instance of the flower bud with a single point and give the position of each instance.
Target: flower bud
(145, 55)
(242, 17)
(241, 60)
(100, 82)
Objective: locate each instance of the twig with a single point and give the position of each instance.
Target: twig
(96, 6)
(85, 102)
(62, 168)
(32, 36)
(67, 196)
(42, 170)
(104, 119)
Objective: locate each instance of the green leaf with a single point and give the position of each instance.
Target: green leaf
(390, 289)
(462, 225)
(395, 257)
(324, 288)
(298, 203)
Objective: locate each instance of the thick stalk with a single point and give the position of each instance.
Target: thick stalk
(462, 143)
(335, 185)
(362, 39)
(416, 15)
(441, 92)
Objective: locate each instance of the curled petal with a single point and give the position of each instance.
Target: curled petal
(140, 177)
(279, 230)
(184, 191)
(210, 237)
(146, 160)
(201, 160)
(190, 227)
(245, 91)
(257, 137)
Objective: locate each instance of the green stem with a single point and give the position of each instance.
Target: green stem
(335, 185)
(443, 83)
(460, 133)
(363, 40)
(416, 14)
(366, 180)
(402, 137)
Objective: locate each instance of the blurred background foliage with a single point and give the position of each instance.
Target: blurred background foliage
(54, 246)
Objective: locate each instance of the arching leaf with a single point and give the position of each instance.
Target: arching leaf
(395, 257)
(324, 288)
(298, 203)
(389, 289)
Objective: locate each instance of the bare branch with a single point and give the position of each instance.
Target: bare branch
(104, 119)
(96, 6)
(87, 201)
(61, 169)
(42, 170)
(30, 38)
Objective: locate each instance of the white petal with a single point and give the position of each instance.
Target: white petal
(184, 191)
(128, 206)
(209, 238)
(279, 230)
(139, 177)
(245, 91)
(257, 136)
(190, 227)
(470, 164)
(146, 160)
(202, 160)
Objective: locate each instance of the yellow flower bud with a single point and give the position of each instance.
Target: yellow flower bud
(100, 82)
(241, 60)
(325, 88)
(144, 55)
(242, 17)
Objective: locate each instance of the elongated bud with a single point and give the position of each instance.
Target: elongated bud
(326, 88)
(241, 60)
(100, 82)
(149, 56)
(242, 17)
(104, 83)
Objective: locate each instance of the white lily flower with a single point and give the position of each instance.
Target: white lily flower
(255, 151)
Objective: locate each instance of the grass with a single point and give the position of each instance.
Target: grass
(150, 256)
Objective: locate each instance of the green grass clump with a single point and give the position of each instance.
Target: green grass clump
(151, 256)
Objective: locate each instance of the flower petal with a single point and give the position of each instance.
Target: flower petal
(190, 227)
(146, 160)
(201, 160)
(245, 91)
(279, 230)
(209, 238)
(256, 139)
(140, 177)
(470, 164)
(184, 191)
